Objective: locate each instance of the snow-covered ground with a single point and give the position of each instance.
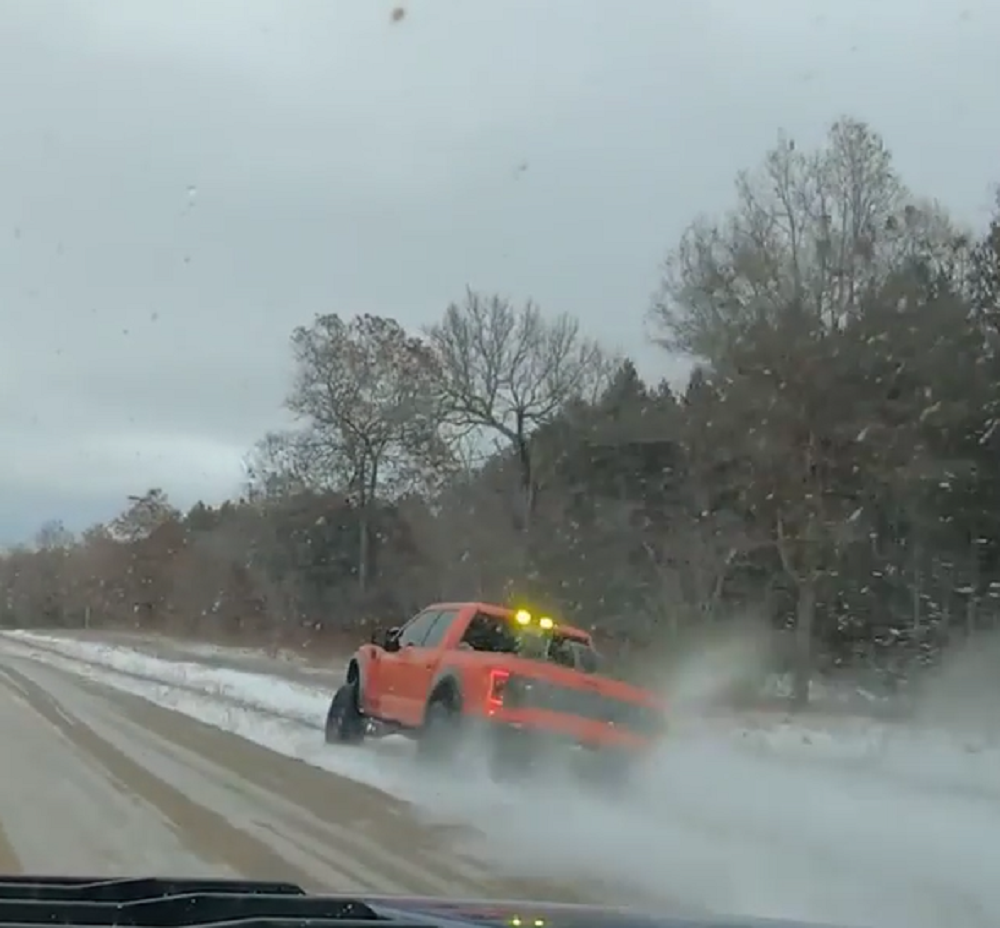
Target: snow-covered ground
(845, 820)
(267, 693)
(279, 714)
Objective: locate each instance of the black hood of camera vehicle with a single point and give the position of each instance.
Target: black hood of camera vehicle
(446, 913)
(32, 901)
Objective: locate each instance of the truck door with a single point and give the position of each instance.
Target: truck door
(395, 670)
(418, 664)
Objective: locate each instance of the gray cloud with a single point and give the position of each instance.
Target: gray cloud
(183, 183)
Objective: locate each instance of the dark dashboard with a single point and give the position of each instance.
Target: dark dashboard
(205, 903)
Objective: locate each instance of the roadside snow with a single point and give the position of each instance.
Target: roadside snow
(263, 692)
(281, 661)
(282, 717)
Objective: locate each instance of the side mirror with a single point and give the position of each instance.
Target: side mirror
(390, 640)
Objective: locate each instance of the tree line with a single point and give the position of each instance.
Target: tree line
(831, 466)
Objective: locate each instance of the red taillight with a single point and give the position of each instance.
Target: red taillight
(498, 683)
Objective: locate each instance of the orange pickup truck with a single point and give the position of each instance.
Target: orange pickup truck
(527, 681)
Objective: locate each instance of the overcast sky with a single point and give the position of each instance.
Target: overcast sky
(184, 181)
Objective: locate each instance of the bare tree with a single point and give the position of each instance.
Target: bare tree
(53, 536)
(813, 231)
(366, 391)
(505, 371)
(53, 544)
(765, 296)
(145, 514)
(99, 565)
(280, 464)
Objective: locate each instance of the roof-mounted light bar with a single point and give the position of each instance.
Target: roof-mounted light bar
(523, 617)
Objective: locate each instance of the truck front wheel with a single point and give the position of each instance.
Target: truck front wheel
(344, 722)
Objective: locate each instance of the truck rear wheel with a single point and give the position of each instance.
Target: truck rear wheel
(611, 774)
(438, 738)
(344, 722)
(511, 757)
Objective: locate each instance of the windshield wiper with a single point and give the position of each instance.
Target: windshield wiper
(164, 903)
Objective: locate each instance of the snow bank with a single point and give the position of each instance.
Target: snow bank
(263, 692)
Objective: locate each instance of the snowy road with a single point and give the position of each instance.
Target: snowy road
(96, 781)
(859, 823)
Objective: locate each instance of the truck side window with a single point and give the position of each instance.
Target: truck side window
(416, 631)
(589, 661)
(489, 633)
(561, 652)
(440, 628)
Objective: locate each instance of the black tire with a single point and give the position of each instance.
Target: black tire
(511, 758)
(612, 774)
(439, 737)
(344, 722)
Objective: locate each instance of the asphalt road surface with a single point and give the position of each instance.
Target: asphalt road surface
(95, 781)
